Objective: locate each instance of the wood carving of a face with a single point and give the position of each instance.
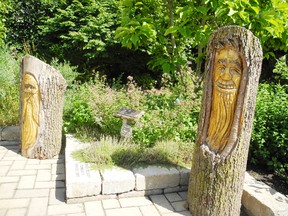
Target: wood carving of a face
(225, 85)
(30, 112)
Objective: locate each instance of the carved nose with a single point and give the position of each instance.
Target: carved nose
(226, 75)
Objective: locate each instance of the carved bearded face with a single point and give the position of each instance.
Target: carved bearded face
(227, 72)
(30, 85)
(226, 81)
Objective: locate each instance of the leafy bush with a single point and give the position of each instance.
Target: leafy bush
(270, 133)
(9, 87)
(169, 114)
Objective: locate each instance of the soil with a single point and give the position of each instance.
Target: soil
(269, 178)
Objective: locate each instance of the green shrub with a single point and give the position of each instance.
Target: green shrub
(9, 87)
(169, 114)
(270, 132)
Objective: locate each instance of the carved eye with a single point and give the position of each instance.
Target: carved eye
(222, 69)
(235, 70)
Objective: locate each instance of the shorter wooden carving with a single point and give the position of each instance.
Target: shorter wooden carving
(30, 112)
(42, 98)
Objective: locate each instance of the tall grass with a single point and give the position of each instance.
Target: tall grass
(9, 86)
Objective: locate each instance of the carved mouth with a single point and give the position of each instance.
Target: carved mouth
(226, 86)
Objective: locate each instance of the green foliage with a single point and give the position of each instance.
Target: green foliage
(80, 30)
(9, 87)
(269, 137)
(169, 115)
(281, 70)
(68, 72)
(168, 30)
(77, 113)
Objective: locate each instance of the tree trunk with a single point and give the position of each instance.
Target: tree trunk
(232, 70)
(42, 99)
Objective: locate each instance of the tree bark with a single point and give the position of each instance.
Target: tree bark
(42, 99)
(217, 173)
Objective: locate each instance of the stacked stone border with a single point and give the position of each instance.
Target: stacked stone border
(83, 183)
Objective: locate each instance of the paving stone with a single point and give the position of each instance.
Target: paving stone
(259, 199)
(135, 201)
(18, 165)
(6, 163)
(65, 209)
(132, 211)
(184, 213)
(14, 158)
(49, 161)
(7, 190)
(50, 184)
(149, 210)
(140, 193)
(162, 204)
(38, 206)
(57, 196)
(173, 197)
(4, 170)
(111, 203)
(94, 207)
(3, 212)
(154, 177)
(27, 182)
(33, 161)
(183, 195)
(21, 193)
(43, 175)
(21, 172)
(7, 179)
(38, 167)
(179, 206)
(15, 212)
(3, 152)
(77, 214)
(116, 181)
(13, 203)
(81, 181)
(91, 198)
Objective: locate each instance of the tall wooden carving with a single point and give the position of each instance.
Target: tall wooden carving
(232, 70)
(42, 97)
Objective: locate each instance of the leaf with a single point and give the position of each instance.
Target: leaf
(166, 67)
(134, 40)
(231, 12)
(244, 16)
(171, 30)
(202, 10)
(255, 9)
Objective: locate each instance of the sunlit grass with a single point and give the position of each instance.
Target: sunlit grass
(110, 151)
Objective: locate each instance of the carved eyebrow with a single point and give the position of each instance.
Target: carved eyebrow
(236, 62)
(223, 61)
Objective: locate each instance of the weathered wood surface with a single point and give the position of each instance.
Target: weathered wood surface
(42, 99)
(220, 157)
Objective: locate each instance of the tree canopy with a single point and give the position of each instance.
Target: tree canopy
(166, 33)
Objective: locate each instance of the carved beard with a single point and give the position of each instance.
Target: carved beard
(30, 120)
(221, 120)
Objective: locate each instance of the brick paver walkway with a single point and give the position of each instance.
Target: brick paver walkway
(37, 187)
